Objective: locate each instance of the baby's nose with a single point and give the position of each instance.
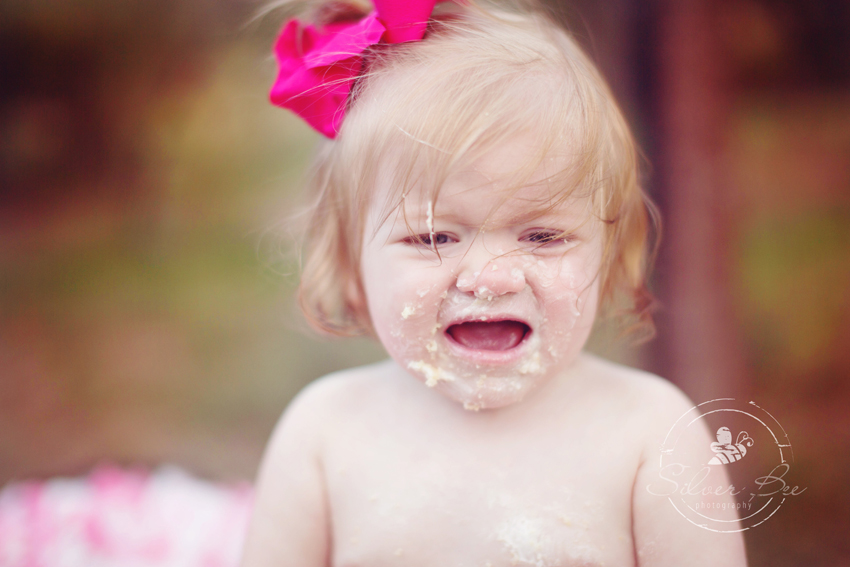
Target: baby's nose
(486, 276)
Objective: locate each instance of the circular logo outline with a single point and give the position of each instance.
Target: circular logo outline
(782, 443)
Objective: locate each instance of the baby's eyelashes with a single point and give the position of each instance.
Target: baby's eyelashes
(537, 238)
(430, 240)
(547, 238)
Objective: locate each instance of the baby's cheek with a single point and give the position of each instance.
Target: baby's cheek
(554, 277)
(568, 301)
(410, 321)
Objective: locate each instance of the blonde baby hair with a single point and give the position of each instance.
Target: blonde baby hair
(484, 74)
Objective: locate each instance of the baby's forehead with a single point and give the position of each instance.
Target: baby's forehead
(489, 207)
(518, 179)
(520, 165)
(513, 186)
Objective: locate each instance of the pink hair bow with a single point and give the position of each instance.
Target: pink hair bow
(318, 66)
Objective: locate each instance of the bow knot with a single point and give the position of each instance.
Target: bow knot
(318, 65)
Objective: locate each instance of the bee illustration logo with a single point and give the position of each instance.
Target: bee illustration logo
(727, 452)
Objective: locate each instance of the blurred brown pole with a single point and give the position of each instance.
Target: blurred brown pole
(700, 344)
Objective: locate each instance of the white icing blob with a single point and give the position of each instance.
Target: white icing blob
(432, 374)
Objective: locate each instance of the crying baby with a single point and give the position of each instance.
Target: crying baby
(489, 437)
(475, 211)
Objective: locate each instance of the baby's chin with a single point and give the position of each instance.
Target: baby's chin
(488, 393)
(479, 388)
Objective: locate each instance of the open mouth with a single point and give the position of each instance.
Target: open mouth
(489, 335)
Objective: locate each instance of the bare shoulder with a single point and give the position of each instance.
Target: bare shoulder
(632, 380)
(643, 394)
(333, 396)
(649, 407)
(290, 521)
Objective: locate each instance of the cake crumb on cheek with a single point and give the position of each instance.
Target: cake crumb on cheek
(531, 366)
(408, 311)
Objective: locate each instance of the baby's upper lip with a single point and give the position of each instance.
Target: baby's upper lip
(493, 317)
(459, 308)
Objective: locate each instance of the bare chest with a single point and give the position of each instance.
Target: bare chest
(398, 498)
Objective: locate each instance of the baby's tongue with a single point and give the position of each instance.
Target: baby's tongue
(496, 335)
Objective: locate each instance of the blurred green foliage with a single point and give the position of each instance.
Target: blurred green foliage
(146, 281)
(796, 273)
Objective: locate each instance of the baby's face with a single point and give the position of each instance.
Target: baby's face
(505, 307)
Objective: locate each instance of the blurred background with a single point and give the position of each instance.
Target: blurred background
(146, 266)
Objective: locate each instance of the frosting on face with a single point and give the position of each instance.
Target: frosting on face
(474, 301)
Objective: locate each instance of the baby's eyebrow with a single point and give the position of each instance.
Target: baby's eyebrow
(531, 216)
(553, 219)
(538, 216)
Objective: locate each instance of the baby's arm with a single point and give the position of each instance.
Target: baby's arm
(290, 525)
(662, 536)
